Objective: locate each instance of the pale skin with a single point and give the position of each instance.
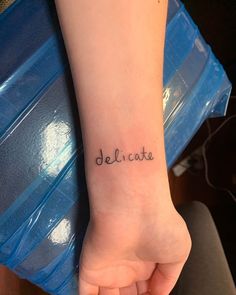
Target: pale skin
(136, 242)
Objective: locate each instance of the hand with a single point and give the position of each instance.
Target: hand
(131, 253)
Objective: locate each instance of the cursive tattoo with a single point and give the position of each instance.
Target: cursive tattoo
(118, 156)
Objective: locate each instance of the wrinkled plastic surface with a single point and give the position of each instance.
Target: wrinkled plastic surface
(43, 196)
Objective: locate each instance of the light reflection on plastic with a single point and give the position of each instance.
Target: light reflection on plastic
(207, 103)
(166, 96)
(61, 234)
(199, 45)
(55, 137)
(6, 83)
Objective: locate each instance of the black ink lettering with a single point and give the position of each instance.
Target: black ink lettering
(108, 160)
(137, 157)
(99, 160)
(144, 153)
(118, 157)
(129, 157)
(150, 157)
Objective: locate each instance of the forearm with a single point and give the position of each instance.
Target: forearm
(116, 55)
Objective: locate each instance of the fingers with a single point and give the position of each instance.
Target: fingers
(164, 278)
(143, 287)
(130, 290)
(87, 289)
(140, 288)
(162, 282)
(109, 291)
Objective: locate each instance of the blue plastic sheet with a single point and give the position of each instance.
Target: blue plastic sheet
(43, 194)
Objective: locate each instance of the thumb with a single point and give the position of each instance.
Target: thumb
(165, 277)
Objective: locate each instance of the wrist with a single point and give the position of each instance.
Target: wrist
(129, 177)
(128, 192)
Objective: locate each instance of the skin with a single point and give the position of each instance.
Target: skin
(136, 241)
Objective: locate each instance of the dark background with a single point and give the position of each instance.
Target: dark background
(216, 20)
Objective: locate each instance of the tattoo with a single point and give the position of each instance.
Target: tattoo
(118, 157)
